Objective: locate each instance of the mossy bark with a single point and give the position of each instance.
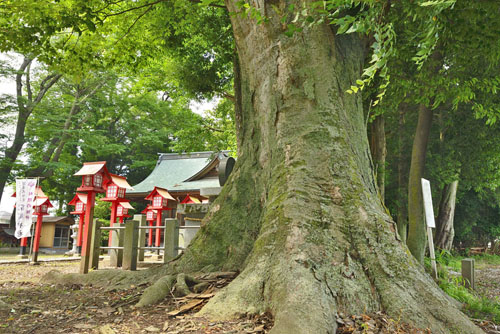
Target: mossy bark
(416, 232)
(300, 215)
(378, 149)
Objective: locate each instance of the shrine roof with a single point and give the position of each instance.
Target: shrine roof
(180, 172)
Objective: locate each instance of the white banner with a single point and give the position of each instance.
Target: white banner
(25, 196)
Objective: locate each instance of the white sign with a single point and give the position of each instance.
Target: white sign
(25, 196)
(429, 210)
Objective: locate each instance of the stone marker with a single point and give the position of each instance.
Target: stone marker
(130, 241)
(142, 235)
(95, 244)
(468, 273)
(170, 239)
(116, 255)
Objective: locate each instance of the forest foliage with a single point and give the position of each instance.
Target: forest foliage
(130, 69)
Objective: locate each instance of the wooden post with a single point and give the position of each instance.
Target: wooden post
(171, 239)
(431, 252)
(112, 221)
(80, 234)
(22, 251)
(468, 273)
(113, 254)
(38, 232)
(96, 244)
(150, 238)
(142, 236)
(130, 245)
(87, 233)
(158, 232)
(119, 253)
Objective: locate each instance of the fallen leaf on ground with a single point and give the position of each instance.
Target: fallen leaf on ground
(186, 307)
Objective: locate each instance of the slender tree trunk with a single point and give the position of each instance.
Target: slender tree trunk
(416, 234)
(13, 150)
(402, 208)
(379, 152)
(445, 231)
(300, 215)
(25, 107)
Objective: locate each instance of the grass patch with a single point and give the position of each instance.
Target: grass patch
(474, 305)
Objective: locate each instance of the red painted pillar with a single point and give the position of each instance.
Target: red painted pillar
(24, 243)
(150, 237)
(114, 207)
(158, 223)
(121, 219)
(87, 233)
(80, 234)
(38, 232)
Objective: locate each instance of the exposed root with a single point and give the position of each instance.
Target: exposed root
(179, 285)
(157, 291)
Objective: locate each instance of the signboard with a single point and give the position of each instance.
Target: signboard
(429, 210)
(25, 196)
(429, 218)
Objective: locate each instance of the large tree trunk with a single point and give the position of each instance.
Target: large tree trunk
(445, 231)
(300, 215)
(416, 233)
(378, 149)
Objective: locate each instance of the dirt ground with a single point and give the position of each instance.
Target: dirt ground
(48, 308)
(35, 307)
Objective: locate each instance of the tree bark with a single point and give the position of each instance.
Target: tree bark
(402, 216)
(416, 233)
(300, 215)
(379, 152)
(445, 231)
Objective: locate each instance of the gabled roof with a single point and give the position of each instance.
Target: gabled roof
(42, 200)
(120, 181)
(190, 199)
(160, 191)
(126, 205)
(148, 208)
(181, 172)
(91, 168)
(78, 197)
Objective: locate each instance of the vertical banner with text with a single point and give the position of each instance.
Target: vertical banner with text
(25, 196)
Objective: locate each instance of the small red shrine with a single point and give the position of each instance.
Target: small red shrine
(42, 205)
(94, 176)
(190, 200)
(122, 210)
(79, 202)
(161, 199)
(116, 188)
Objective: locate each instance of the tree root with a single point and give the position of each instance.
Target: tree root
(180, 286)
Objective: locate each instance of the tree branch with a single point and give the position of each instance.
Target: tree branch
(48, 82)
(229, 97)
(19, 83)
(135, 21)
(155, 3)
(28, 83)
